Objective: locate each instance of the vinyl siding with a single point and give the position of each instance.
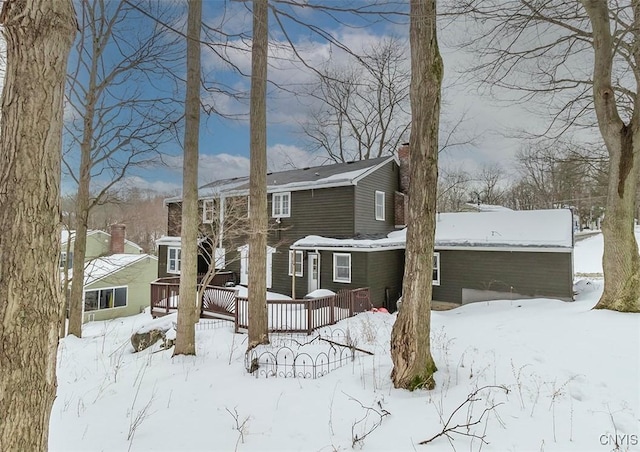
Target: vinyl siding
(137, 278)
(385, 179)
(327, 211)
(384, 274)
(525, 273)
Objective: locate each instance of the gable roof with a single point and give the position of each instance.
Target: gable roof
(66, 235)
(325, 176)
(526, 229)
(101, 267)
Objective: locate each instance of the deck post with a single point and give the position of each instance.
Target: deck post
(309, 316)
(235, 313)
(332, 309)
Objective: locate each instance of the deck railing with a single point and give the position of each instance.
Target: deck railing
(291, 316)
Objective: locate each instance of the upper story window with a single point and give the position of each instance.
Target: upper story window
(342, 267)
(436, 269)
(173, 260)
(281, 205)
(380, 205)
(208, 211)
(296, 261)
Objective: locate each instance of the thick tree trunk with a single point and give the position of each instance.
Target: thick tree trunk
(621, 260)
(38, 35)
(188, 313)
(258, 318)
(413, 365)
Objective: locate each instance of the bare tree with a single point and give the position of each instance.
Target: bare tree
(363, 108)
(453, 189)
(188, 312)
(546, 41)
(488, 185)
(258, 316)
(117, 124)
(413, 365)
(39, 35)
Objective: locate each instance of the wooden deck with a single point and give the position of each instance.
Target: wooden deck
(294, 316)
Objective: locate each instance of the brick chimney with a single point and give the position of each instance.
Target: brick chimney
(405, 167)
(117, 239)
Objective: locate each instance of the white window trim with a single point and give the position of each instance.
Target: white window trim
(299, 258)
(276, 201)
(126, 300)
(335, 276)
(208, 211)
(436, 267)
(178, 259)
(380, 217)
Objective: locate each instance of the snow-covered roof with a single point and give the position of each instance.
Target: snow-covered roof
(101, 267)
(486, 207)
(336, 175)
(66, 234)
(516, 228)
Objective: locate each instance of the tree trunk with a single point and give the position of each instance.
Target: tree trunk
(79, 251)
(258, 317)
(38, 35)
(413, 365)
(188, 313)
(621, 259)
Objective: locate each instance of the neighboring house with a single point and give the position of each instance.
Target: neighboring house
(480, 207)
(117, 273)
(479, 256)
(117, 285)
(98, 244)
(340, 227)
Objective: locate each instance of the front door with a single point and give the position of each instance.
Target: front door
(314, 271)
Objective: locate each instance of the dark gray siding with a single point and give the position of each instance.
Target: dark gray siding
(525, 273)
(327, 212)
(380, 271)
(384, 277)
(281, 281)
(384, 179)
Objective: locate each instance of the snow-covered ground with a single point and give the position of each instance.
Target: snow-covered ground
(558, 376)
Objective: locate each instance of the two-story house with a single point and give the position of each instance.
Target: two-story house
(341, 227)
(344, 201)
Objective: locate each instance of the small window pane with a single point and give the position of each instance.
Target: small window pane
(120, 297)
(91, 300)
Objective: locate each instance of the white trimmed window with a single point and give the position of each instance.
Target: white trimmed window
(281, 205)
(296, 260)
(173, 260)
(113, 297)
(342, 267)
(436, 269)
(208, 211)
(380, 205)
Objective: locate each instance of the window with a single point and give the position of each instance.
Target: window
(281, 205)
(380, 205)
(95, 300)
(341, 267)
(436, 269)
(296, 259)
(66, 261)
(173, 260)
(207, 211)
